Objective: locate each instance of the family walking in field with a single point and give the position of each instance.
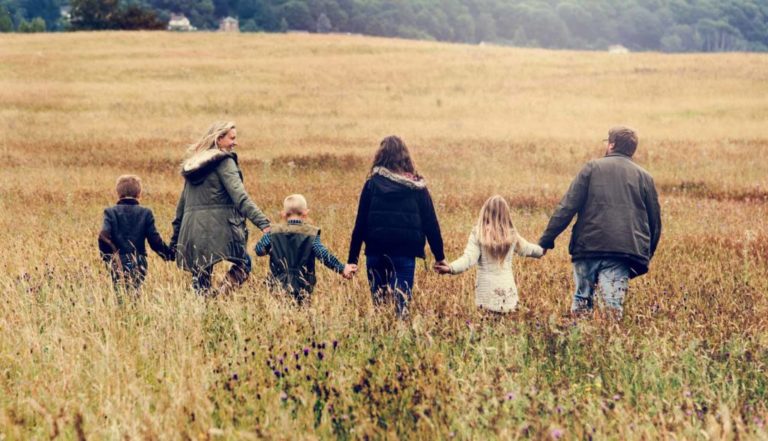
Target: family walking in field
(617, 229)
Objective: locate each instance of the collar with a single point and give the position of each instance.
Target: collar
(623, 155)
(295, 222)
(415, 182)
(128, 201)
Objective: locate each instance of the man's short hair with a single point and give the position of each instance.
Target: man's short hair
(624, 140)
(128, 186)
(295, 204)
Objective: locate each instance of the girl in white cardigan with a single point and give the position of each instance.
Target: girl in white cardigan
(492, 243)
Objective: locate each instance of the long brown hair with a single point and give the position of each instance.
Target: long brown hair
(393, 154)
(495, 230)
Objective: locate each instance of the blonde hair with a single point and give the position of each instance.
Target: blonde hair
(128, 186)
(211, 137)
(295, 204)
(495, 230)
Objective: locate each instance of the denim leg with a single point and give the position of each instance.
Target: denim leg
(402, 282)
(585, 277)
(613, 280)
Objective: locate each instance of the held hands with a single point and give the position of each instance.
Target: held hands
(442, 267)
(350, 270)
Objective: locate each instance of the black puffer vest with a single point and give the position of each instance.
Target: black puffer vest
(292, 259)
(394, 219)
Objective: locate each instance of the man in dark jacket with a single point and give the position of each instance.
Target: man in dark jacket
(618, 223)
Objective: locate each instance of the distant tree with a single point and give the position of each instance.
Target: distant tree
(324, 24)
(93, 14)
(48, 10)
(36, 25)
(640, 29)
(719, 36)
(135, 17)
(249, 26)
(6, 24)
(485, 27)
(108, 14)
(297, 14)
(680, 38)
(283, 25)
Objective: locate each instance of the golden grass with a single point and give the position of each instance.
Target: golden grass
(77, 110)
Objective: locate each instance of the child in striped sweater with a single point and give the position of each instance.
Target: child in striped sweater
(293, 248)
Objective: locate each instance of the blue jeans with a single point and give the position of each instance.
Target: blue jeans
(610, 275)
(391, 275)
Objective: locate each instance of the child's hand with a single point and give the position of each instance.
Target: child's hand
(350, 270)
(442, 267)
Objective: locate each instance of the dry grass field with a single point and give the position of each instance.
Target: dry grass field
(688, 361)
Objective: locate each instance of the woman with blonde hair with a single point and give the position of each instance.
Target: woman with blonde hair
(210, 217)
(491, 244)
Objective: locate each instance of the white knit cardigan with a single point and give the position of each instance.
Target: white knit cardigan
(495, 288)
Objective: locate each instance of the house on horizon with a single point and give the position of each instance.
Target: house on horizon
(617, 49)
(229, 24)
(180, 22)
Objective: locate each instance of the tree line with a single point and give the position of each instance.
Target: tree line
(658, 25)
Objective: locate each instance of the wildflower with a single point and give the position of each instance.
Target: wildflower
(616, 397)
(298, 367)
(556, 433)
(283, 396)
(335, 344)
(235, 377)
(687, 394)
(320, 355)
(559, 409)
(277, 373)
(306, 352)
(510, 396)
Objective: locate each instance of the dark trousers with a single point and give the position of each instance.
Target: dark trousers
(391, 276)
(127, 273)
(237, 274)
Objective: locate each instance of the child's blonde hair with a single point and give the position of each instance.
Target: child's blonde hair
(295, 204)
(495, 230)
(128, 186)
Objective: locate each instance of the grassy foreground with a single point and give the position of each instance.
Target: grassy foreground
(76, 110)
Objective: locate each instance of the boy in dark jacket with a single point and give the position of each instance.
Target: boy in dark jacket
(618, 224)
(293, 248)
(127, 226)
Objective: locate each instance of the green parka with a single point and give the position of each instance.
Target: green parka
(210, 216)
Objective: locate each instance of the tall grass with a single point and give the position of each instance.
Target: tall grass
(76, 110)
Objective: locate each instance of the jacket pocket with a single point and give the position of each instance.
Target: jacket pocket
(237, 225)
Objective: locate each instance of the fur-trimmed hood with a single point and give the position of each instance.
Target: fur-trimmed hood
(412, 182)
(196, 167)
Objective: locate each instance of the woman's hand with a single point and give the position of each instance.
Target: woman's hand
(350, 270)
(442, 267)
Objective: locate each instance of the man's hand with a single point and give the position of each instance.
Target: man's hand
(350, 270)
(442, 267)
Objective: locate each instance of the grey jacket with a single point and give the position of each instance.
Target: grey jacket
(618, 214)
(210, 216)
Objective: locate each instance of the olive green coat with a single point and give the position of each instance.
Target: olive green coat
(210, 216)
